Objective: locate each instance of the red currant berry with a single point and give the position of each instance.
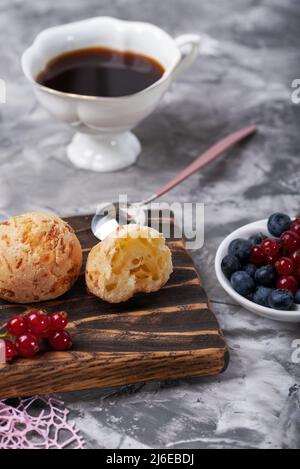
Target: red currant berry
(290, 241)
(295, 227)
(272, 259)
(270, 247)
(59, 321)
(60, 340)
(256, 256)
(38, 323)
(284, 266)
(16, 326)
(27, 345)
(296, 273)
(10, 350)
(38, 312)
(296, 258)
(288, 283)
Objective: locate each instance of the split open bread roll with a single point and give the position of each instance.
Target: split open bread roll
(132, 259)
(40, 258)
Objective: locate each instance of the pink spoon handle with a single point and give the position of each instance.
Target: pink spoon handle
(206, 157)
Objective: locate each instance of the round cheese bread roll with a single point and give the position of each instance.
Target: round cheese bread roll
(40, 258)
(134, 258)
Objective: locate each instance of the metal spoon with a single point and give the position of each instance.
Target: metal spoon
(109, 217)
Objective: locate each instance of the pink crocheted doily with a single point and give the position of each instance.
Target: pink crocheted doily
(37, 423)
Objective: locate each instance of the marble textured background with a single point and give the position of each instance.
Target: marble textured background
(246, 79)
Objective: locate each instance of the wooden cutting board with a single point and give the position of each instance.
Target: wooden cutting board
(164, 335)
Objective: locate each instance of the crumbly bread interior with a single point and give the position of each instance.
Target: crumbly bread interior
(40, 257)
(133, 259)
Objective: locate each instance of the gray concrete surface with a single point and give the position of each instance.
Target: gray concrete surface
(248, 79)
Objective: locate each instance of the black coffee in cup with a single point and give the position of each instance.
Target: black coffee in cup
(100, 72)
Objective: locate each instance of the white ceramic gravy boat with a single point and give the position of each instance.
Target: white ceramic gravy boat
(104, 141)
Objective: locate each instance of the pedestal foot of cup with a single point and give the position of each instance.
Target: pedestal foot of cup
(104, 153)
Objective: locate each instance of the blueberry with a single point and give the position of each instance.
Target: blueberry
(241, 248)
(229, 265)
(242, 283)
(250, 269)
(261, 296)
(278, 223)
(297, 297)
(266, 275)
(250, 296)
(257, 239)
(281, 299)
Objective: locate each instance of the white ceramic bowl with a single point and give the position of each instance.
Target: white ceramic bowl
(292, 315)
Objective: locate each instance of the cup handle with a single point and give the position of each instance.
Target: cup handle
(186, 41)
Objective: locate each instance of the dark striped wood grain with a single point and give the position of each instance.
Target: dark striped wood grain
(164, 335)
